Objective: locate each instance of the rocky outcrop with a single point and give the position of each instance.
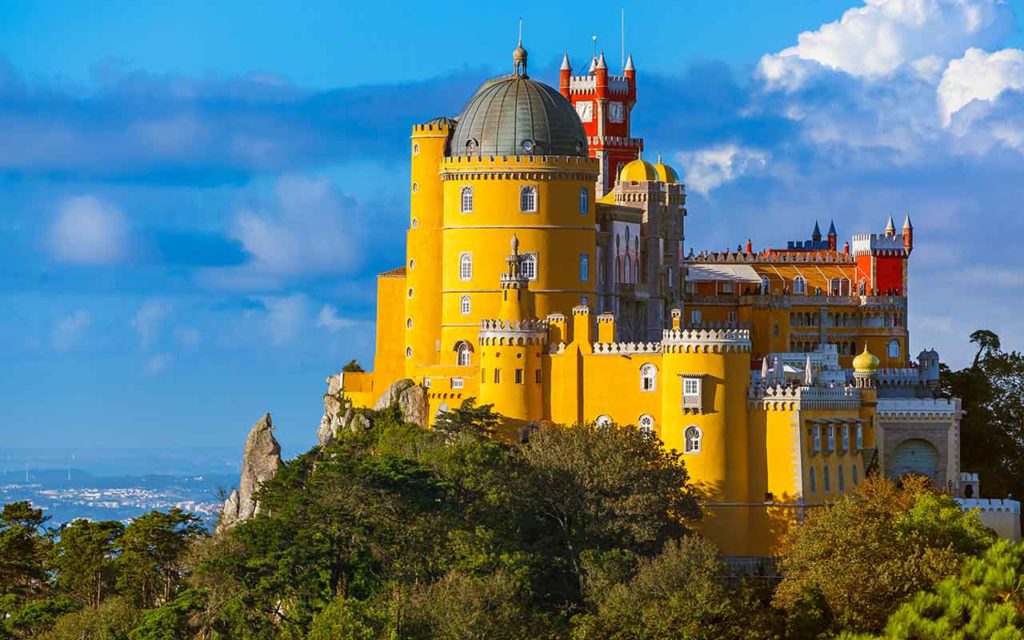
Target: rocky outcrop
(411, 400)
(338, 414)
(260, 461)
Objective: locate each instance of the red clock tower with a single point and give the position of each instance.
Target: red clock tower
(604, 104)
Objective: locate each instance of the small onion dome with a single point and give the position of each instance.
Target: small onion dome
(866, 362)
(665, 173)
(638, 171)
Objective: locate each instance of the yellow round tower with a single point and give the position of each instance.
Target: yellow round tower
(511, 346)
(422, 312)
(518, 164)
(712, 370)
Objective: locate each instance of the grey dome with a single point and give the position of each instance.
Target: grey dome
(514, 115)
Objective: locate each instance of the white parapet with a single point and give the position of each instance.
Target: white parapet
(705, 340)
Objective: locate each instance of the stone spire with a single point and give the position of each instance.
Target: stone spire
(260, 461)
(816, 234)
(629, 64)
(890, 227)
(565, 63)
(601, 64)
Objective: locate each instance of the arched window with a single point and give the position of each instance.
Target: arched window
(826, 481)
(463, 354)
(629, 277)
(812, 480)
(841, 478)
(766, 285)
(466, 266)
(464, 305)
(799, 285)
(408, 352)
(584, 201)
(646, 424)
(894, 348)
(528, 199)
(529, 266)
(466, 200)
(853, 471)
(648, 377)
(584, 267)
(691, 438)
(859, 436)
(603, 421)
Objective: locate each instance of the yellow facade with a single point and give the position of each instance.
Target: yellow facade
(495, 303)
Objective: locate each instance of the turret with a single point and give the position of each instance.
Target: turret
(629, 71)
(564, 76)
(908, 235)
(601, 77)
(816, 234)
(833, 237)
(516, 304)
(890, 228)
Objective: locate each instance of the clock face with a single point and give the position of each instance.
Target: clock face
(616, 112)
(585, 110)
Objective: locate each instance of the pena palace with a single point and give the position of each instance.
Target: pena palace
(545, 274)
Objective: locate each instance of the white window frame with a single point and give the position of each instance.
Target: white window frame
(534, 261)
(800, 286)
(466, 199)
(692, 393)
(463, 354)
(695, 316)
(766, 285)
(831, 433)
(692, 437)
(648, 377)
(603, 420)
(528, 199)
(465, 305)
(465, 266)
(646, 424)
(458, 383)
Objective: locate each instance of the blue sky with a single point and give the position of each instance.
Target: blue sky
(195, 196)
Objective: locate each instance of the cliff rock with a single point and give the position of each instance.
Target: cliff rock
(411, 400)
(338, 415)
(260, 461)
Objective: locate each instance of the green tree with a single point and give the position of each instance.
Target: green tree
(603, 488)
(679, 594)
(348, 619)
(151, 563)
(984, 602)
(352, 367)
(85, 559)
(174, 620)
(988, 344)
(873, 548)
(468, 417)
(114, 619)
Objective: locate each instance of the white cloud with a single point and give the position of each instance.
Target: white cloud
(89, 231)
(708, 169)
(979, 75)
(329, 319)
(284, 316)
(188, 337)
(158, 364)
(148, 318)
(310, 229)
(876, 39)
(68, 331)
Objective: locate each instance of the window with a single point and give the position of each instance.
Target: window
(766, 285)
(691, 440)
(408, 323)
(731, 317)
(695, 316)
(648, 376)
(827, 484)
(853, 471)
(529, 266)
(815, 438)
(844, 442)
(584, 201)
(519, 376)
(726, 287)
(464, 305)
(584, 267)
(537, 376)
(497, 376)
(800, 288)
(466, 200)
(410, 293)
(894, 349)
(859, 435)
(841, 479)
(831, 437)
(603, 421)
(426, 383)
(813, 480)
(528, 199)
(463, 353)
(691, 393)
(457, 383)
(646, 424)
(466, 266)
(408, 352)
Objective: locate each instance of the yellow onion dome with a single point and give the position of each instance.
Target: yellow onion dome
(866, 362)
(665, 173)
(638, 171)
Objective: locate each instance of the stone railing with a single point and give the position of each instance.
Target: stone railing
(498, 332)
(904, 376)
(705, 340)
(617, 348)
(989, 504)
(778, 396)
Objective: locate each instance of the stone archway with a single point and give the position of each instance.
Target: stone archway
(915, 456)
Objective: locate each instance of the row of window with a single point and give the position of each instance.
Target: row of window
(696, 317)
(692, 435)
(527, 200)
(528, 266)
(845, 348)
(830, 438)
(826, 477)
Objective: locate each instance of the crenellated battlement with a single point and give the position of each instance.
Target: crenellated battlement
(918, 408)
(705, 340)
(990, 504)
(525, 332)
(878, 244)
(621, 348)
(787, 397)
